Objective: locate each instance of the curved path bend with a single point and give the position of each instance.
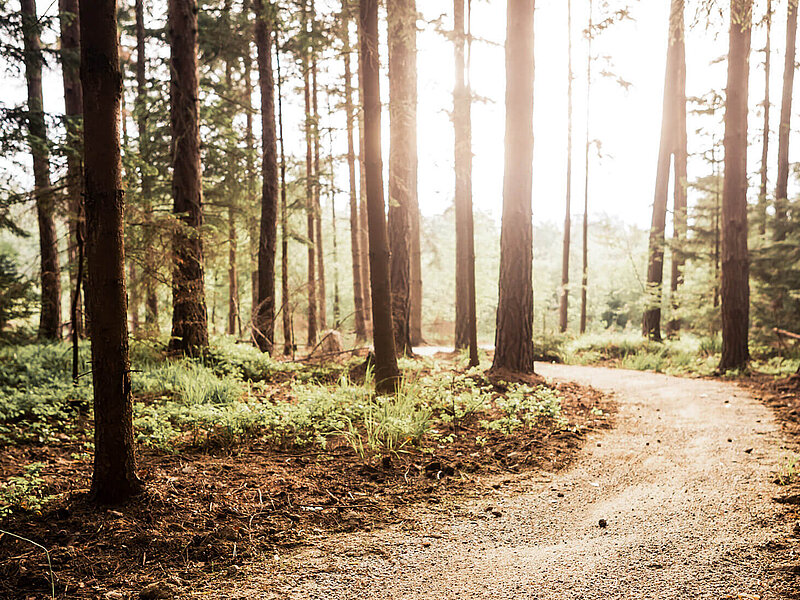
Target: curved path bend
(682, 481)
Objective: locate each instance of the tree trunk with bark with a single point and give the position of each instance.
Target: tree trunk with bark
(73, 109)
(286, 308)
(585, 225)
(466, 328)
(680, 182)
(50, 316)
(310, 207)
(114, 478)
(514, 336)
(735, 260)
(651, 323)
(265, 317)
(150, 278)
(762, 193)
(322, 298)
(563, 307)
(189, 316)
(355, 230)
(366, 282)
(387, 375)
(402, 19)
(785, 128)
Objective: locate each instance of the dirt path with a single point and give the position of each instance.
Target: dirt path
(683, 482)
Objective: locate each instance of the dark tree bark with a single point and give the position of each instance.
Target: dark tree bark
(269, 187)
(585, 225)
(310, 208)
(402, 19)
(50, 315)
(514, 336)
(150, 278)
(73, 109)
(785, 129)
(288, 329)
(762, 193)
(387, 375)
(735, 260)
(114, 478)
(563, 307)
(189, 316)
(322, 301)
(651, 324)
(366, 283)
(355, 229)
(253, 232)
(466, 328)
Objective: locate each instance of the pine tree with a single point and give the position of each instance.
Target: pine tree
(50, 315)
(402, 18)
(514, 336)
(114, 477)
(735, 260)
(189, 316)
(387, 375)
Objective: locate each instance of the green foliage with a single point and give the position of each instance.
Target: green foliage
(789, 471)
(24, 492)
(526, 406)
(17, 296)
(687, 355)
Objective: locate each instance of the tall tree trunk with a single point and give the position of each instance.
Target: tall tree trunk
(233, 241)
(735, 260)
(310, 207)
(402, 19)
(387, 375)
(189, 316)
(73, 105)
(50, 316)
(563, 307)
(253, 232)
(680, 183)
(322, 302)
(514, 336)
(265, 319)
(150, 278)
(355, 230)
(466, 332)
(286, 308)
(785, 129)
(233, 275)
(762, 193)
(585, 232)
(337, 310)
(114, 478)
(651, 324)
(366, 282)
(415, 321)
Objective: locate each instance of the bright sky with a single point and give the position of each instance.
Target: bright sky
(627, 123)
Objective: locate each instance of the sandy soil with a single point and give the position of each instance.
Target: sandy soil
(682, 484)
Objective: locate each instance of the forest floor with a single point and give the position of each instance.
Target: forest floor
(215, 513)
(678, 500)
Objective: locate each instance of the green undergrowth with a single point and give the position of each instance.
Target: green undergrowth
(688, 354)
(235, 394)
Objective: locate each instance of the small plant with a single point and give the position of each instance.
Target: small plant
(24, 492)
(526, 406)
(789, 471)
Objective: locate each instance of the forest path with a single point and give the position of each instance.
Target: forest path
(682, 480)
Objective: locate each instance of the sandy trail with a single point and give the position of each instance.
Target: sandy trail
(683, 482)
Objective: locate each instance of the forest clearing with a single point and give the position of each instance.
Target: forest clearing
(292, 306)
